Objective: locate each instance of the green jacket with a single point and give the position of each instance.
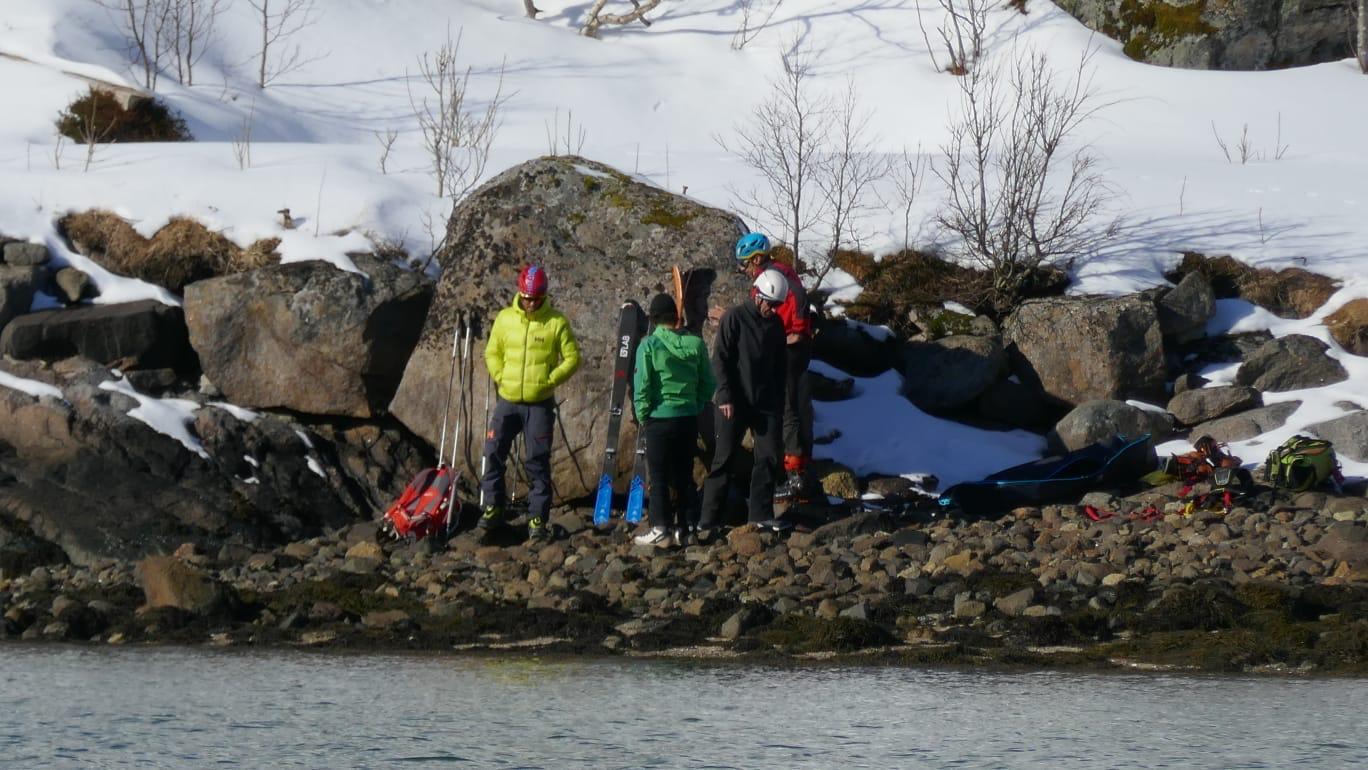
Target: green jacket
(673, 376)
(529, 354)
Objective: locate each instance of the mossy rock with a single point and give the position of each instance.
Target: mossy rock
(802, 633)
(1203, 607)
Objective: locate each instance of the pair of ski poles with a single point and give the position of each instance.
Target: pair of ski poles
(462, 332)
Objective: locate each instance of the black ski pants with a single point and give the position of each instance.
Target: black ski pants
(536, 422)
(798, 402)
(767, 430)
(670, 446)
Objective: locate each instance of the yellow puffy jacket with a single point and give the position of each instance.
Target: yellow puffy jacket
(529, 354)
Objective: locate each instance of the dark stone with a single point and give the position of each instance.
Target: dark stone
(1290, 363)
(1197, 406)
(1349, 434)
(132, 335)
(952, 371)
(1095, 421)
(1246, 425)
(17, 287)
(1185, 309)
(853, 350)
(864, 523)
(1021, 406)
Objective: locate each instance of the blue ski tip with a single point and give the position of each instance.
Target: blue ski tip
(636, 500)
(603, 504)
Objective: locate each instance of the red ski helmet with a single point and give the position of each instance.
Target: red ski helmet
(532, 282)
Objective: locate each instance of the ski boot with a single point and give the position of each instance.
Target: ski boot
(492, 517)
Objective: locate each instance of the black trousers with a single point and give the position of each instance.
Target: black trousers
(798, 403)
(670, 446)
(537, 423)
(767, 429)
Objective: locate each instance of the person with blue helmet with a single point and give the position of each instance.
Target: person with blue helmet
(753, 254)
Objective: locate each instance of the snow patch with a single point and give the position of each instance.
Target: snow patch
(32, 387)
(168, 416)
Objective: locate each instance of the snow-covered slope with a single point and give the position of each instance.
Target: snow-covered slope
(653, 101)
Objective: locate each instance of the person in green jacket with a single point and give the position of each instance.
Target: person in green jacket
(531, 350)
(672, 384)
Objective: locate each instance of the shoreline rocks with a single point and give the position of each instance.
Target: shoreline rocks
(1240, 591)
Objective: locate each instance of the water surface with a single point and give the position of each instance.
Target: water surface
(163, 707)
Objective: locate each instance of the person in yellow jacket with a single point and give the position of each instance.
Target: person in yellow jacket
(531, 350)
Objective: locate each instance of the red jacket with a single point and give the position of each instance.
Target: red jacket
(794, 310)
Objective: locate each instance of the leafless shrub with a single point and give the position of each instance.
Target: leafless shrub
(755, 16)
(597, 18)
(58, 150)
(1016, 199)
(386, 140)
(1245, 150)
(242, 143)
(276, 56)
(572, 141)
(907, 174)
(146, 26)
(961, 34)
(783, 141)
(457, 137)
(192, 28)
(846, 175)
(1361, 42)
(92, 134)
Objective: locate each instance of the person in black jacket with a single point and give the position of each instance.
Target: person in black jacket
(748, 363)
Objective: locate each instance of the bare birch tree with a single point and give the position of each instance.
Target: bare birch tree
(1017, 199)
(597, 18)
(280, 21)
(961, 34)
(846, 176)
(783, 141)
(146, 26)
(457, 136)
(192, 27)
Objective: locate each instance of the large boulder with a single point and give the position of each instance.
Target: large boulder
(24, 254)
(307, 336)
(1228, 35)
(1200, 405)
(1185, 309)
(83, 472)
(131, 335)
(603, 238)
(1247, 425)
(848, 347)
(1012, 403)
(1349, 434)
(1079, 349)
(1290, 363)
(952, 371)
(17, 286)
(169, 582)
(1349, 326)
(1094, 421)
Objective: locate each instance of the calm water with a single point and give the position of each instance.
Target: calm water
(70, 707)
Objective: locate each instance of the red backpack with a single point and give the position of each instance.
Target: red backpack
(424, 507)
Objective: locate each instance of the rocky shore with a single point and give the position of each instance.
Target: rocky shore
(1276, 590)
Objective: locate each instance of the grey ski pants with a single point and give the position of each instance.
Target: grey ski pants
(536, 422)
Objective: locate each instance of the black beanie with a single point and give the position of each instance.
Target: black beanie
(662, 309)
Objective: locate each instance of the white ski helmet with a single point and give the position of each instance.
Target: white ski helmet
(771, 285)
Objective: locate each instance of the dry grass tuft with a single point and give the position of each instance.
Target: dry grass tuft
(182, 252)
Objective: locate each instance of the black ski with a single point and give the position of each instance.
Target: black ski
(630, 322)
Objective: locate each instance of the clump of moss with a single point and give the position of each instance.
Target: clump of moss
(666, 217)
(97, 115)
(1146, 26)
(801, 633)
(182, 252)
(1202, 607)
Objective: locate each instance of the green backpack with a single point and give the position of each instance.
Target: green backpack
(1301, 463)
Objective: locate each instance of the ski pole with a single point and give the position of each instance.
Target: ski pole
(489, 385)
(446, 409)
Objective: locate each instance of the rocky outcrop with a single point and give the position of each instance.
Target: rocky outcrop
(1290, 363)
(1349, 434)
(308, 337)
(1235, 35)
(1204, 404)
(1247, 425)
(1349, 326)
(85, 473)
(952, 371)
(133, 335)
(603, 238)
(1095, 421)
(1078, 349)
(1290, 292)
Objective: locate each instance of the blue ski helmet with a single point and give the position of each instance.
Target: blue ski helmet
(750, 245)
